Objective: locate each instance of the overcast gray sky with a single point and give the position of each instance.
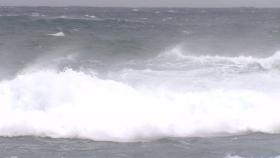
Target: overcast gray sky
(147, 3)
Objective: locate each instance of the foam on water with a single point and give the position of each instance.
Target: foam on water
(77, 104)
(58, 34)
(232, 156)
(177, 54)
(236, 156)
(166, 99)
(176, 93)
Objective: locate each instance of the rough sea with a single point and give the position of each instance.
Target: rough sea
(81, 82)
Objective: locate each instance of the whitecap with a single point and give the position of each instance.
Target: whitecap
(58, 34)
(71, 104)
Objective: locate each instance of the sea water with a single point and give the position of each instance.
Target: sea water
(139, 82)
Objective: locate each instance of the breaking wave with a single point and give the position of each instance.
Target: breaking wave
(177, 54)
(76, 104)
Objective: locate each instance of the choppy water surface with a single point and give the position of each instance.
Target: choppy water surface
(245, 146)
(127, 82)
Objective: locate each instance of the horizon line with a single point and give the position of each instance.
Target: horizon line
(179, 7)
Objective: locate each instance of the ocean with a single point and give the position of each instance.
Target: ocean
(78, 82)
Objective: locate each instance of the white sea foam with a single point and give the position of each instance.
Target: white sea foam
(58, 34)
(237, 156)
(178, 54)
(232, 156)
(74, 104)
(140, 104)
(90, 16)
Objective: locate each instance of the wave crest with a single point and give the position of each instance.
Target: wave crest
(75, 104)
(178, 57)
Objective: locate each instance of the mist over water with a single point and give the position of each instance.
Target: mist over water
(119, 74)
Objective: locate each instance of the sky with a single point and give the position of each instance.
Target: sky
(145, 3)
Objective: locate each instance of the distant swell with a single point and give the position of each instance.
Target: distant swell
(178, 55)
(76, 104)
